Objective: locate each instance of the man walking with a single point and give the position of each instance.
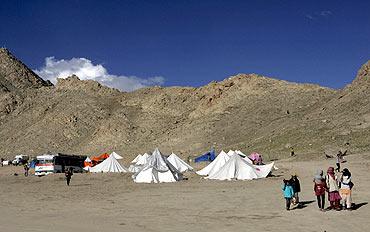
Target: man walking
(26, 169)
(68, 173)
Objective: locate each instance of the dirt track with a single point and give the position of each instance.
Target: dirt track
(112, 202)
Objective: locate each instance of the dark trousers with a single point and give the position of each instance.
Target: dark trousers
(338, 167)
(68, 180)
(288, 201)
(321, 201)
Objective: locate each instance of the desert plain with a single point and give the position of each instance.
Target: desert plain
(113, 202)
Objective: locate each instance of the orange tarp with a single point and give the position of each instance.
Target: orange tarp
(100, 157)
(87, 164)
(97, 159)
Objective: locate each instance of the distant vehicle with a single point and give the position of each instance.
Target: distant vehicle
(6, 162)
(58, 163)
(20, 159)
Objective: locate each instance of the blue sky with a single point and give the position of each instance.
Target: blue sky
(190, 43)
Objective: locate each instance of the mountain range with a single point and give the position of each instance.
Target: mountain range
(248, 112)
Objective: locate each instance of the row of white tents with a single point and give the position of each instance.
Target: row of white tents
(231, 165)
(156, 168)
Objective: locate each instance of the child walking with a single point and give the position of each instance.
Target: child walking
(296, 188)
(319, 187)
(333, 189)
(288, 193)
(346, 189)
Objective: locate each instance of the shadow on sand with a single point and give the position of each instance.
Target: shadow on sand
(274, 175)
(303, 204)
(357, 206)
(79, 185)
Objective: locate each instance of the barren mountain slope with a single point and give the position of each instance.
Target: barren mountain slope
(247, 112)
(346, 117)
(15, 79)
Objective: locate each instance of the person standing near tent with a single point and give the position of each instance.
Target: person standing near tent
(319, 187)
(26, 169)
(68, 173)
(288, 193)
(333, 189)
(346, 189)
(296, 188)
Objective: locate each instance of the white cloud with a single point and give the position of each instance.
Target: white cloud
(318, 15)
(310, 17)
(326, 13)
(86, 70)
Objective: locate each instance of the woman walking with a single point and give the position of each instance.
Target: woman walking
(320, 188)
(68, 173)
(333, 189)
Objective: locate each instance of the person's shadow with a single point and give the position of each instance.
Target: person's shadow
(357, 206)
(303, 204)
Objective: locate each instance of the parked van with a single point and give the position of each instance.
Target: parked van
(20, 159)
(58, 163)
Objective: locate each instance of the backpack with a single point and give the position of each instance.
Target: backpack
(351, 184)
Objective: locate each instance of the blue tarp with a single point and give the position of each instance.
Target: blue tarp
(32, 164)
(208, 156)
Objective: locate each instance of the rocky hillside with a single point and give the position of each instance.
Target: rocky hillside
(246, 112)
(15, 80)
(15, 75)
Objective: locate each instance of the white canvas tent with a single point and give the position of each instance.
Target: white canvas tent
(178, 163)
(240, 153)
(230, 152)
(134, 168)
(263, 170)
(246, 158)
(136, 159)
(139, 162)
(239, 169)
(118, 157)
(88, 160)
(215, 165)
(110, 164)
(143, 159)
(157, 170)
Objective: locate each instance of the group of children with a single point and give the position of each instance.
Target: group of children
(291, 189)
(338, 188)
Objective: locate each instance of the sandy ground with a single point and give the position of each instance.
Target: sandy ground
(112, 202)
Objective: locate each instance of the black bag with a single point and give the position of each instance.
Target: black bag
(351, 184)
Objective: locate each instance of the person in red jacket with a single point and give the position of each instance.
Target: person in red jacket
(319, 187)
